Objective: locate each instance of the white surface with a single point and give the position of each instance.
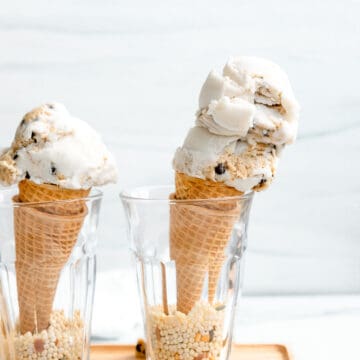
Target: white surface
(134, 70)
(312, 328)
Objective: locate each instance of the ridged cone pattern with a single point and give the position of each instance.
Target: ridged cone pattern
(188, 187)
(32, 192)
(199, 235)
(45, 237)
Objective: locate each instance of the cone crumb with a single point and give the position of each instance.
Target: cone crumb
(63, 340)
(195, 336)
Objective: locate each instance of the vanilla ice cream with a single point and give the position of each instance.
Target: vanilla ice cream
(52, 146)
(246, 116)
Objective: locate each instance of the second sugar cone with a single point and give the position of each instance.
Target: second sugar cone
(199, 234)
(45, 237)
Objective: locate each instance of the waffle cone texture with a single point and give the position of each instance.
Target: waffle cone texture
(31, 192)
(45, 237)
(199, 234)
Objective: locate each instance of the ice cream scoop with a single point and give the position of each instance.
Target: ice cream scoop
(227, 159)
(252, 99)
(246, 116)
(52, 146)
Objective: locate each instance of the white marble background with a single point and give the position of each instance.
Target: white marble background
(133, 69)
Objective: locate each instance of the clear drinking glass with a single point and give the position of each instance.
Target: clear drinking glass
(47, 276)
(188, 256)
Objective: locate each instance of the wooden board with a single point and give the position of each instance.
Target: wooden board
(241, 352)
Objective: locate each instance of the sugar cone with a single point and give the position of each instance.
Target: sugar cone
(45, 237)
(31, 192)
(188, 187)
(199, 234)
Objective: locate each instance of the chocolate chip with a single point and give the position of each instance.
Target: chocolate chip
(220, 169)
(141, 347)
(50, 106)
(33, 136)
(211, 335)
(22, 122)
(53, 170)
(27, 175)
(262, 181)
(15, 156)
(274, 147)
(231, 284)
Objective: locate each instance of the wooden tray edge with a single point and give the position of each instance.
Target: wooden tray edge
(283, 349)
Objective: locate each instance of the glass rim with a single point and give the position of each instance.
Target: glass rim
(95, 194)
(130, 195)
